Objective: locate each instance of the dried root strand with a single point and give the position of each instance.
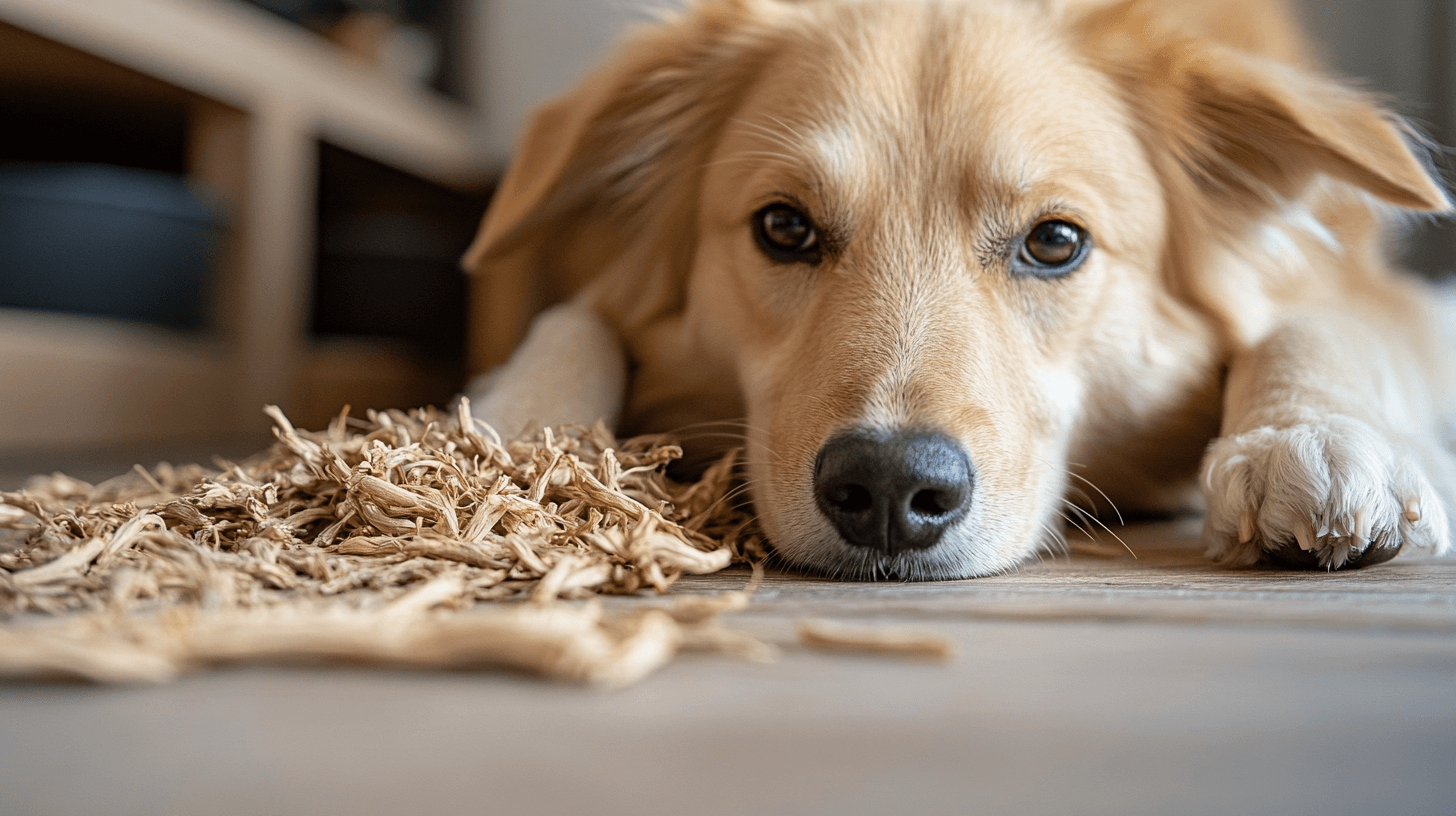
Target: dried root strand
(897, 642)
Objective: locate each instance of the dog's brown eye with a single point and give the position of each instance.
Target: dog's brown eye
(1053, 248)
(786, 234)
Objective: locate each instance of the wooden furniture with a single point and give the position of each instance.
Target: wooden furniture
(259, 95)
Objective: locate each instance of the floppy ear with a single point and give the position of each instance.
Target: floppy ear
(1245, 132)
(602, 193)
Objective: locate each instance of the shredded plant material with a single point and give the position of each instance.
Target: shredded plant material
(373, 542)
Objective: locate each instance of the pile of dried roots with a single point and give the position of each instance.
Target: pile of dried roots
(373, 541)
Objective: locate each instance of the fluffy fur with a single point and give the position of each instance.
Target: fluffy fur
(1237, 292)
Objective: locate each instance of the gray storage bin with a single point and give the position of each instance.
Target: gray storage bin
(108, 241)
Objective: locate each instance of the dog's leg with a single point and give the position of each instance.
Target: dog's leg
(1330, 455)
(569, 369)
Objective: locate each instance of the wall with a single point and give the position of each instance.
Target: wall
(535, 49)
(1403, 49)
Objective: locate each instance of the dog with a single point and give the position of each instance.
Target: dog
(946, 265)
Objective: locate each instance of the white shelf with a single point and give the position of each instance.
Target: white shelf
(244, 57)
(259, 95)
(76, 382)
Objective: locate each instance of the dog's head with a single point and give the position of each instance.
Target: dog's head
(931, 250)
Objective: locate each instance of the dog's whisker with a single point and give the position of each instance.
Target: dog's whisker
(786, 135)
(1109, 530)
(1081, 496)
(1052, 539)
(1087, 499)
(761, 156)
(1100, 492)
(711, 423)
(1076, 523)
(738, 430)
(739, 442)
(790, 143)
(726, 498)
(738, 436)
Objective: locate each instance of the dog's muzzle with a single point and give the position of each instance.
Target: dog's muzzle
(893, 491)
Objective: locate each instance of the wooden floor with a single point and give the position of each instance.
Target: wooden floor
(1095, 684)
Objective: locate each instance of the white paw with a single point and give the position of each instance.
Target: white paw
(1331, 492)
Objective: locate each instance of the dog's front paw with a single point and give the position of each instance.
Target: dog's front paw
(1330, 493)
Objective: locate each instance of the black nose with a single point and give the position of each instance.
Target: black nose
(892, 491)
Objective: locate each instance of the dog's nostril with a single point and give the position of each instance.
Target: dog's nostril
(851, 498)
(892, 491)
(933, 503)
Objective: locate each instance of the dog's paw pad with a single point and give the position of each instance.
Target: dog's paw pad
(1330, 494)
(1342, 555)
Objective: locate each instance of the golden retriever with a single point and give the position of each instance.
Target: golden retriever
(949, 261)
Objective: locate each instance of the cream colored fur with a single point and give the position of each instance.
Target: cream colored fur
(1236, 319)
(569, 369)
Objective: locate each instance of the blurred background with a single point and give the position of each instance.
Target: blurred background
(208, 205)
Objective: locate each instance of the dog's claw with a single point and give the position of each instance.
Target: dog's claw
(1305, 535)
(1246, 525)
(1413, 509)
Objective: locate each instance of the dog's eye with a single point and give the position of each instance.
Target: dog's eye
(1053, 248)
(786, 234)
